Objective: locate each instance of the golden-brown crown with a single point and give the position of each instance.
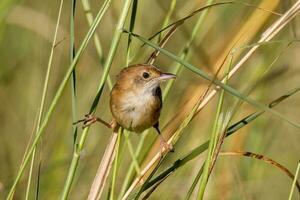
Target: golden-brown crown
(137, 75)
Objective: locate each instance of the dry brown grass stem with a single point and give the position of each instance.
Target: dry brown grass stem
(162, 43)
(263, 158)
(103, 169)
(265, 37)
(242, 37)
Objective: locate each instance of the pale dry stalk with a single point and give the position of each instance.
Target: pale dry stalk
(103, 169)
(266, 36)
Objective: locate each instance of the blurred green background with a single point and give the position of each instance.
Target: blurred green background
(26, 32)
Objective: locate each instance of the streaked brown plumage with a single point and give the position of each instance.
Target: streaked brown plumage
(135, 99)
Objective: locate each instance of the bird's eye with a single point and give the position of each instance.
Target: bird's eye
(146, 75)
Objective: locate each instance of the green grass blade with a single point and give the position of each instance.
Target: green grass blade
(231, 130)
(175, 137)
(211, 147)
(215, 137)
(186, 49)
(207, 7)
(41, 107)
(135, 163)
(132, 168)
(166, 90)
(227, 88)
(73, 76)
(57, 97)
(131, 27)
(194, 184)
(111, 54)
(189, 16)
(132, 153)
(168, 16)
(90, 19)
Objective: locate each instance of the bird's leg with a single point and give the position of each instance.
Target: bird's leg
(90, 119)
(163, 143)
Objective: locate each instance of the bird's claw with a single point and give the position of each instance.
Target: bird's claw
(87, 121)
(165, 147)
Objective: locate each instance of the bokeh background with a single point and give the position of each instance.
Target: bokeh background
(26, 33)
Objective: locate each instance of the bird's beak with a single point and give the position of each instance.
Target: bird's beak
(166, 76)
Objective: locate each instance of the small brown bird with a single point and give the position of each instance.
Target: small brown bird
(135, 100)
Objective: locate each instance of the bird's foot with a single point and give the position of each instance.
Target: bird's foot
(88, 120)
(165, 147)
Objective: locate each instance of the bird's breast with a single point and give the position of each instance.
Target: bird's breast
(137, 111)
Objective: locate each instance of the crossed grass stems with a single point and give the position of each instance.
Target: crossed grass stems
(104, 78)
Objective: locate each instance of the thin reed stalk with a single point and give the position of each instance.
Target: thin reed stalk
(294, 182)
(44, 93)
(166, 90)
(104, 167)
(116, 165)
(214, 139)
(82, 139)
(56, 98)
(97, 43)
(231, 130)
(266, 36)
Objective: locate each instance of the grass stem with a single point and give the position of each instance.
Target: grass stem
(56, 98)
(116, 164)
(109, 60)
(294, 181)
(41, 107)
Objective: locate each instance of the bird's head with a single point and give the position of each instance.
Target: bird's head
(142, 77)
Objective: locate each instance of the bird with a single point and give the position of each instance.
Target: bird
(136, 100)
